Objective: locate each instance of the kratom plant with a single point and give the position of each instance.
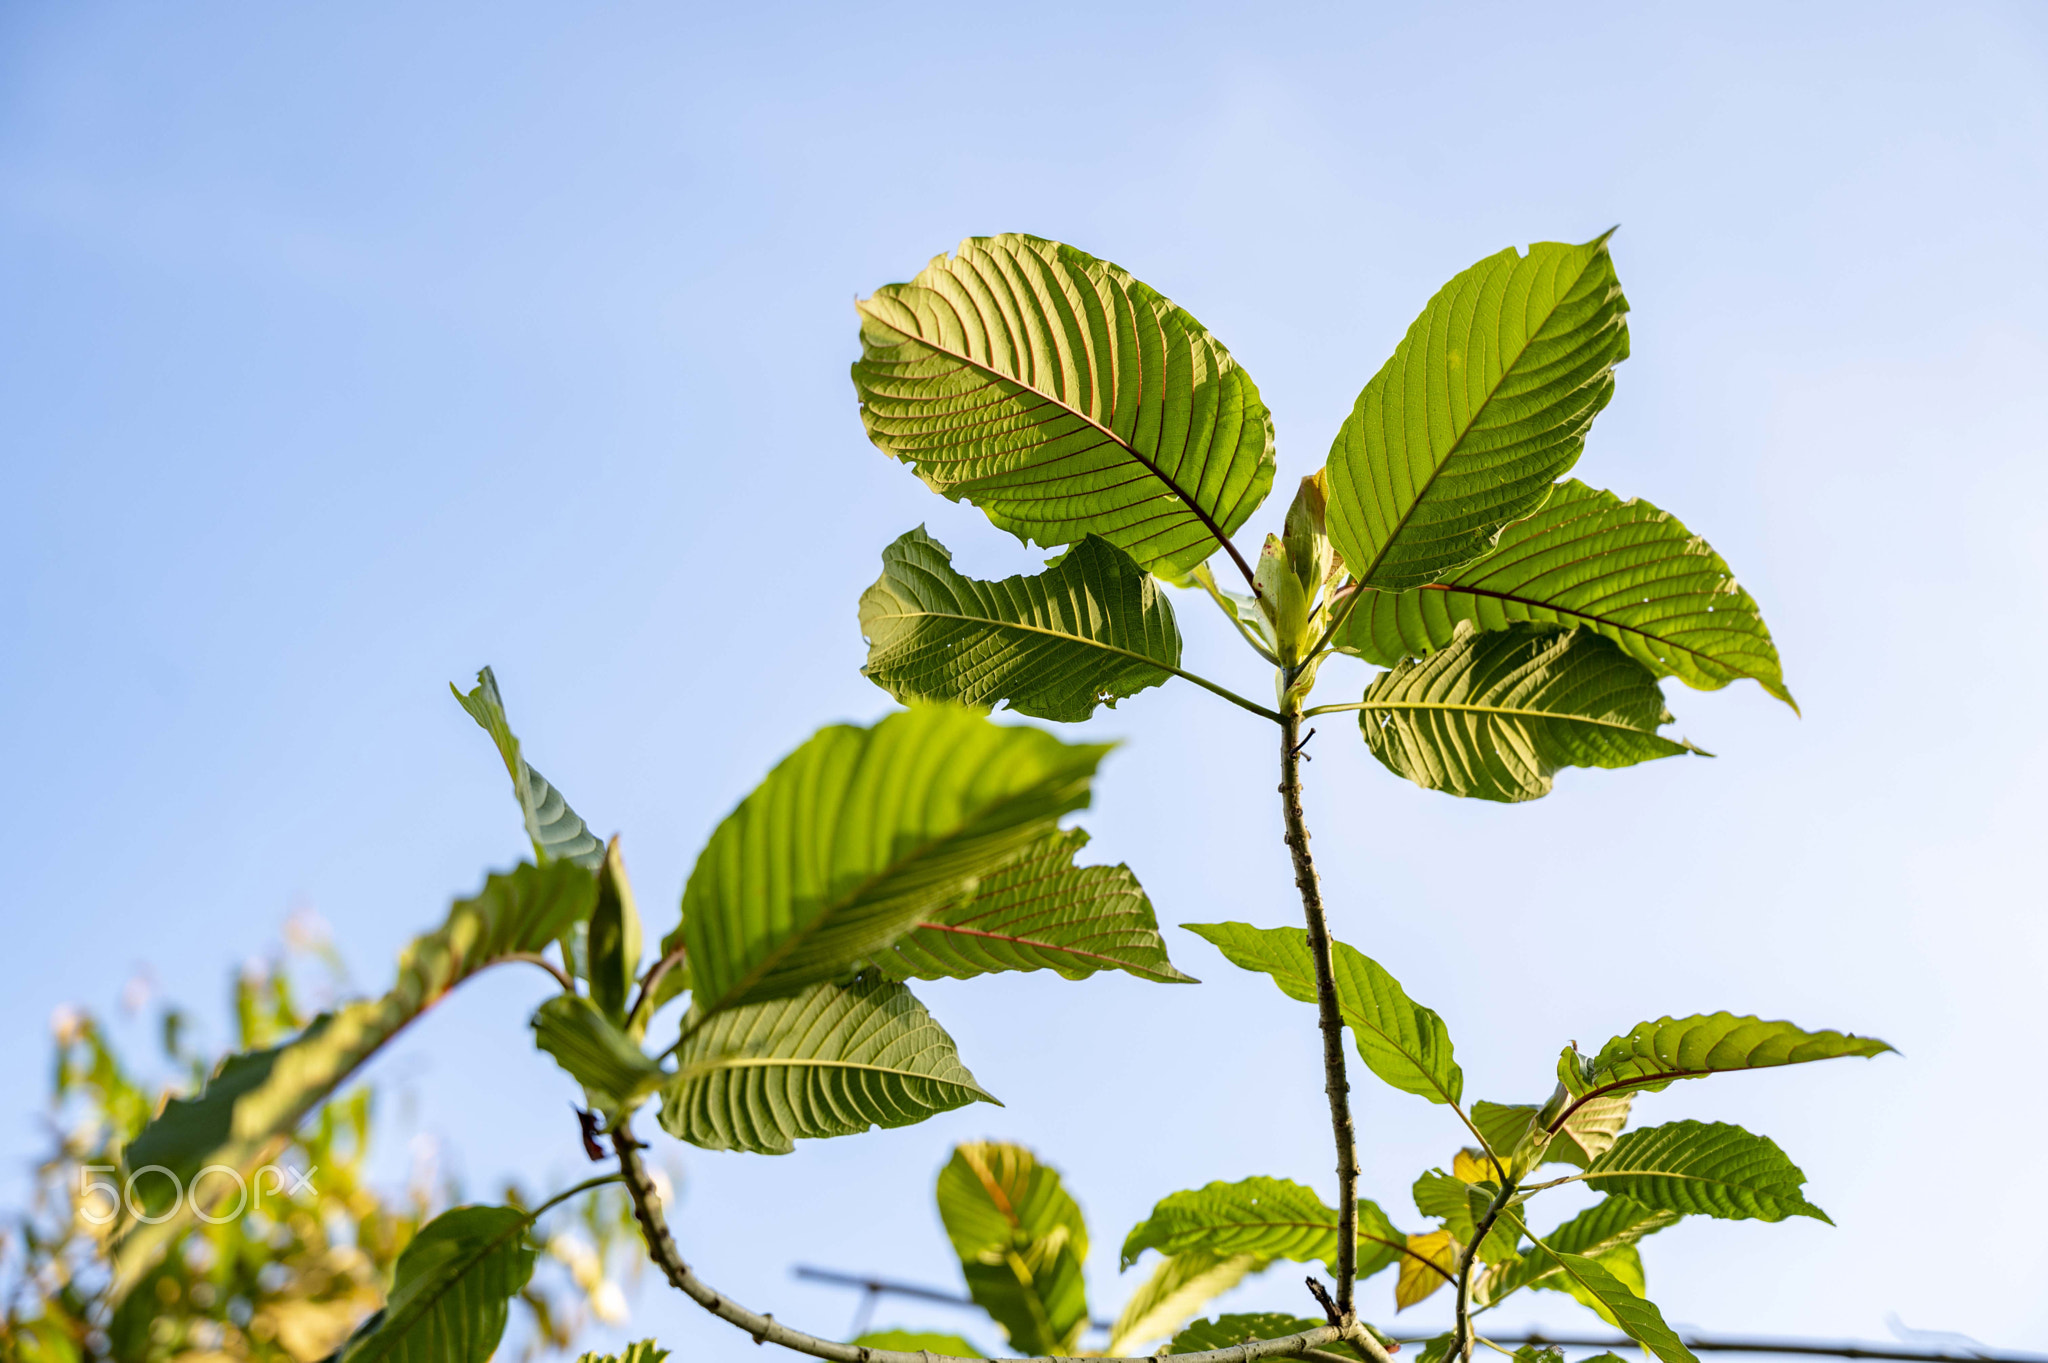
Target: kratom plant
(1524, 624)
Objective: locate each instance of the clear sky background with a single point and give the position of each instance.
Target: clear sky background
(346, 349)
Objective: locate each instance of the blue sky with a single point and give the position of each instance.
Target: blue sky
(348, 349)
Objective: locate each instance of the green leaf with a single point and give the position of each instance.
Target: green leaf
(1040, 912)
(1089, 630)
(1064, 398)
(1633, 1315)
(1021, 1241)
(1437, 1349)
(1655, 1054)
(859, 835)
(1223, 1332)
(1180, 1285)
(254, 1102)
(613, 1071)
(1589, 1129)
(831, 1061)
(1270, 1218)
(1402, 1042)
(645, 1351)
(1623, 569)
(451, 1290)
(1461, 1206)
(1704, 1168)
(911, 1341)
(1494, 715)
(554, 828)
(1485, 402)
(1611, 1224)
(614, 939)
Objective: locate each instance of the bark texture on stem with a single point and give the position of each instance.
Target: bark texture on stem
(1336, 1083)
(661, 1247)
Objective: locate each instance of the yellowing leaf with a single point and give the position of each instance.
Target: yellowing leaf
(1430, 1263)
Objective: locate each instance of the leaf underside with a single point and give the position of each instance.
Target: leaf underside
(1658, 1053)
(613, 1071)
(1635, 1316)
(833, 1060)
(1704, 1168)
(1482, 406)
(1610, 1224)
(1040, 912)
(859, 835)
(1498, 712)
(1180, 1285)
(1064, 398)
(1089, 630)
(555, 830)
(1270, 1218)
(451, 1291)
(1624, 569)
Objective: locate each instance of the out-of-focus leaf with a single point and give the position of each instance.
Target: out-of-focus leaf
(911, 1341)
(1088, 631)
(613, 942)
(834, 1060)
(450, 1297)
(1021, 1241)
(1040, 912)
(1064, 398)
(1180, 1285)
(614, 1072)
(257, 1099)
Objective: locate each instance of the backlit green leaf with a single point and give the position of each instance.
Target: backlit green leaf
(451, 1291)
(1089, 630)
(1402, 1042)
(1625, 570)
(1270, 1218)
(833, 1060)
(645, 1351)
(1610, 1224)
(1656, 1053)
(614, 1072)
(1707, 1168)
(1180, 1285)
(1461, 1207)
(1040, 912)
(254, 1102)
(1495, 714)
(553, 827)
(1635, 1316)
(1064, 398)
(613, 942)
(859, 835)
(1484, 404)
(1021, 1241)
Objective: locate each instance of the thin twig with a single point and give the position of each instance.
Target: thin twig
(661, 1248)
(1207, 580)
(1336, 1084)
(535, 958)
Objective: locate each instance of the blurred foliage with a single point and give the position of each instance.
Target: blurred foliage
(311, 1258)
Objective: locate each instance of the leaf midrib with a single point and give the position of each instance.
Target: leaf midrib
(1700, 656)
(1507, 711)
(1471, 422)
(704, 1068)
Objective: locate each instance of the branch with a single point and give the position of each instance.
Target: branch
(1808, 1347)
(1335, 1082)
(1461, 1339)
(661, 1247)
